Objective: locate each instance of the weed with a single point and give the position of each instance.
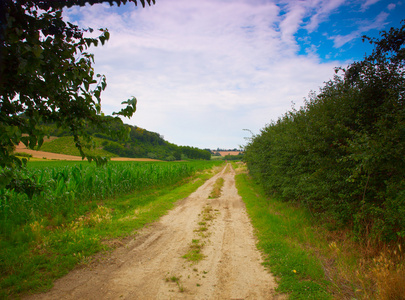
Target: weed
(201, 229)
(207, 215)
(207, 209)
(173, 279)
(194, 254)
(177, 281)
(388, 272)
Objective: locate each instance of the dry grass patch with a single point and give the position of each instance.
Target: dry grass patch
(363, 271)
(384, 277)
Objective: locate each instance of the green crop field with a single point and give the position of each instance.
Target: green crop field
(60, 189)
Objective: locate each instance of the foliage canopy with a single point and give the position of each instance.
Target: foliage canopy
(343, 153)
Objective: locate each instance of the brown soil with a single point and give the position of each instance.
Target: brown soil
(224, 153)
(47, 155)
(151, 266)
(55, 156)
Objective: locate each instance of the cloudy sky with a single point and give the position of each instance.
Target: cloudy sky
(204, 70)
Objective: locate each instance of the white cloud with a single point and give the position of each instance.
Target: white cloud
(368, 3)
(201, 70)
(322, 11)
(378, 23)
(391, 6)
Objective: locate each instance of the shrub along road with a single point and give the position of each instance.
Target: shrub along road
(203, 249)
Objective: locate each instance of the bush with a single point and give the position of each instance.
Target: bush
(342, 154)
(23, 154)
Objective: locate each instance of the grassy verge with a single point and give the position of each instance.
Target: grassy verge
(283, 232)
(314, 260)
(52, 251)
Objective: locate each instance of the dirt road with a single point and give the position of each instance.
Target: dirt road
(152, 265)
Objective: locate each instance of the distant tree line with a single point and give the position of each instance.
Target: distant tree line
(343, 153)
(234, 157)
(137, 142)
(234, 149)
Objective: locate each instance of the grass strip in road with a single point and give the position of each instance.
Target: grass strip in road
(194, 254)
(216, 190)
(57, 250)
(283, 232)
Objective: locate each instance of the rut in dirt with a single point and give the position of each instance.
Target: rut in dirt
(159, 262)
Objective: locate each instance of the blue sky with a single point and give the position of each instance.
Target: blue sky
(204, 70)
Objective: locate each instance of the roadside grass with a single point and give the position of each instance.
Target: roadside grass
(283, 232)
(314, 260)
(51, 250)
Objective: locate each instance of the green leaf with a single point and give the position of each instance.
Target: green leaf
(129, 110)
(37, 50)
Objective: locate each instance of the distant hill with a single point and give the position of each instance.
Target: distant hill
(66, 145)
(140, 144)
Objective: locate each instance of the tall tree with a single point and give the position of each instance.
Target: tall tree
(46, 75)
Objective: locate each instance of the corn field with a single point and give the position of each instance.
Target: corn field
(63, 190)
